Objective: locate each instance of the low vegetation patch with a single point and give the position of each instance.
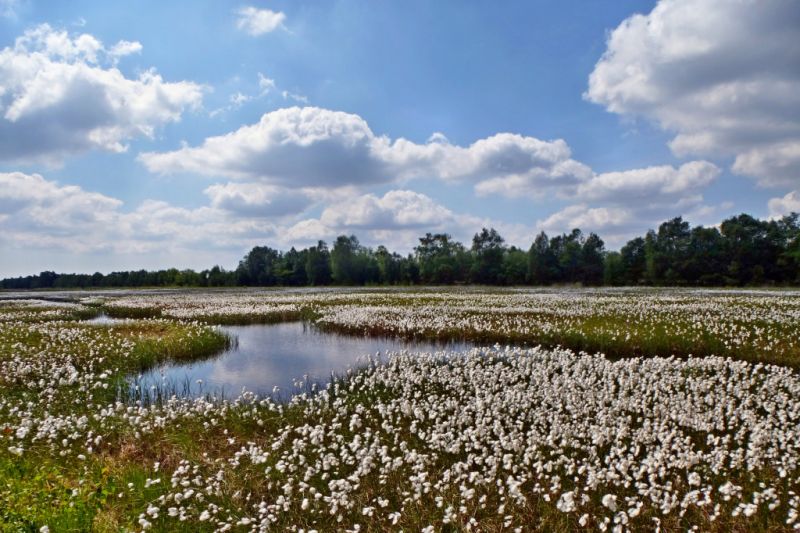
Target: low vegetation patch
(495, 439)
(757, 326)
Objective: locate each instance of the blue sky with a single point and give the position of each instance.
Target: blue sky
(182, 134)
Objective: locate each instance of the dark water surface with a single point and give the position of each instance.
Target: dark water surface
(277, 355)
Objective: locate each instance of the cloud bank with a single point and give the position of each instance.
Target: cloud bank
(311, 146)
(314, 149)
(61, 95)
(722, 76)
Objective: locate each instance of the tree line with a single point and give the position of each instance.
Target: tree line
(743, 250)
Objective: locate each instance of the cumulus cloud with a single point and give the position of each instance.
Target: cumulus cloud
(311, 146)
(257, 22)
(258, 199)
(36, 213)
(722, 76)
(618, 205)
(46, 204)
(39, 213)
(57, 98)
(587, 218)
(790, 203)
(317, 149)
(616, 225)
(308, 232)
(662, 184)
(396, 213)
(397, 219)
(394, 210)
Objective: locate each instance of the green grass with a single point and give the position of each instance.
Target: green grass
(70, 494)
(84, 495)
(601, 334)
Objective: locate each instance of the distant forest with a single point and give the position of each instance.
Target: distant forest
(742, 251)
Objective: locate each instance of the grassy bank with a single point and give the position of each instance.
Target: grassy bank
(756, 326)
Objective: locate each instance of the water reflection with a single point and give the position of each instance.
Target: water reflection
(103, 320)
(277, 355)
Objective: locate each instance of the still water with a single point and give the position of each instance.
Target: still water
(277, 355)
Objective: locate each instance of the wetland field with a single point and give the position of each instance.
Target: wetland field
(435, 409)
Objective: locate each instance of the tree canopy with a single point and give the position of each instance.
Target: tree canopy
(743, 250)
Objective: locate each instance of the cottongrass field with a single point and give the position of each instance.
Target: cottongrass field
(592, 410)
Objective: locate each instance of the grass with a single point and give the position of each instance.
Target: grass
(669, 325)
(613, 332)
(83, 494)
(221, 319)
(160, 342)
(107, 491)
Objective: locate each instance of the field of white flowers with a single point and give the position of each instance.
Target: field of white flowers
(760, 326)
(693, 424)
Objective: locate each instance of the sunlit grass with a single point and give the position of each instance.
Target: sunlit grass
(69, 381)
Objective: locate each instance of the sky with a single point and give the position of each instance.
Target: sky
(180, 134)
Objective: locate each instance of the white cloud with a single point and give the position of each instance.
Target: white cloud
(265, 84)
(395, 210)
(587, 218)
(299, 98)
(776, 164)
(238, 98)
(39, 214)
(47, 203)
(790, 203)
(257, 22)
(258, 199)
(56, 98)
(661, 184)
(317, 147)
(722, 76)
(36, 213)
(620, 205)
(308, 232)
(125, 48)
(397, 219)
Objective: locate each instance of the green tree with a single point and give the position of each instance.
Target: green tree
(388, 266)
(570, 252)
(634, 261)
(707, 258)
(259, 267)
(751, 243)
(344, 262)
(515, 267)
(591, 263)
(291, 269)
(441, 260)
(672, 251)
(318, 264)
(614, 269)
(488, 249)
(542, 267)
